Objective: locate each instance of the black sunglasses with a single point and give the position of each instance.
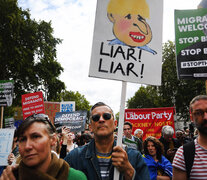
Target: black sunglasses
(96, 117)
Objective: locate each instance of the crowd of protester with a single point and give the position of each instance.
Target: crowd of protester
(43, 153)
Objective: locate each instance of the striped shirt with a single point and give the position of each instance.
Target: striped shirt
(104, 161)
(199, 168)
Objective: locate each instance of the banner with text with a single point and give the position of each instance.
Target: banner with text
(6, 92)
(75, 121)
(150, 120)
(9, 123)
(32, 103)
(127, 41)
(191, 39)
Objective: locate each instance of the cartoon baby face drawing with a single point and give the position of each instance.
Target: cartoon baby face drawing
(129, 24)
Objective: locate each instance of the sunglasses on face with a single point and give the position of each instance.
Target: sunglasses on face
(96, 117)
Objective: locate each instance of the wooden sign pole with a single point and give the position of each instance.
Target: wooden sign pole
(121, 123)
(206, 86)
(2, 115)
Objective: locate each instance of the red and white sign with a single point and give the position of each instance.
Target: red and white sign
(150, 120)
(32, 103)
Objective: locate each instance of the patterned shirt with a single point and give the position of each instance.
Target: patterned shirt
(199, 168)
(104, 161)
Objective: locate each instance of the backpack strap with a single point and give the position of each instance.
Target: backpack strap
(189, 154)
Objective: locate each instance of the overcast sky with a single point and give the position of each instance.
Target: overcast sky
(73, 21)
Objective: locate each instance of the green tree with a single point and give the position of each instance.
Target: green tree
(80, 101)
(172, 92)
(28, 53)
(144, 97)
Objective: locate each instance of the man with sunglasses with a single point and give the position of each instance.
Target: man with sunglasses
(197, 151)
(98, 158)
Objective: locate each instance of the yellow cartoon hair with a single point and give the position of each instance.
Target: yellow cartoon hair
(124, 7)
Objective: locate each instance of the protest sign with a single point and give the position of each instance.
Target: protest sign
(75, 121)
(67, 106)
(32, 103)
(9, 123)
(51, 108)
(127, 45)
(6, 92)
(6, 141)
(150, 120)
(127, 41)
(191, 39)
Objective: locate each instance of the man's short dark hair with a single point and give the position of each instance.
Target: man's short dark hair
(128, 123)
(100, 104)
(197, 98)
(97, 105)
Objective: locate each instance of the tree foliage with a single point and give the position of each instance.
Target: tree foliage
(144, 97)
(80, 101)
(28, 53)
(172, 90)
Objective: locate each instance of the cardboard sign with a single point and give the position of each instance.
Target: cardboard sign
(32, 103)
(6, 141)
(127, 42)
(150, 120)
(191, 39)
(6, 92)
(67, 106)
(9, 123)
(75, 121)
(51, 108)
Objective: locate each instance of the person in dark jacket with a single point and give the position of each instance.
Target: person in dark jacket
(170, 144)
(98, 158)
(181, 139)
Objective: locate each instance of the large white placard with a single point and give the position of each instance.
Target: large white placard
(6, 140)
(127, 42)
